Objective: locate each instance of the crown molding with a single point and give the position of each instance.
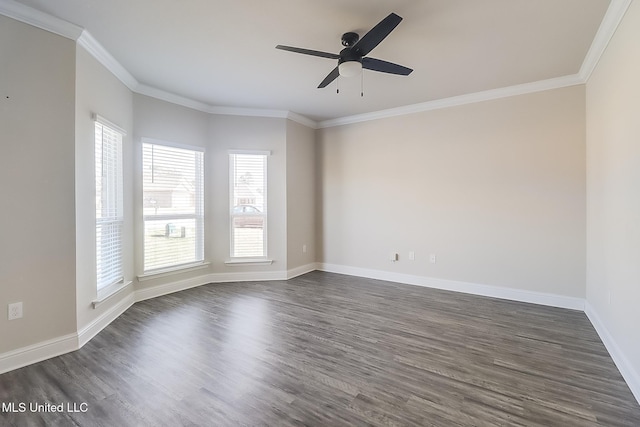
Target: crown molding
(163, 95)
(608, 27)
(303, 120)
(31, 16)
(250, 112)
(259, 112)
(471, 98)
(42, 20)
(102, 55)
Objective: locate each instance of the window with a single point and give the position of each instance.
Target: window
(173, 210)
(109, 201)
(248, 204)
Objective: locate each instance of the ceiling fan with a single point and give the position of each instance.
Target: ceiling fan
(352, 59)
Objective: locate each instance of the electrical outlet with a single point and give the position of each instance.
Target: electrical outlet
(432, 258)
(412, 255)
(304, 249)
(15, 311)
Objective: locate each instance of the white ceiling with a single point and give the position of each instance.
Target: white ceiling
(222, 53)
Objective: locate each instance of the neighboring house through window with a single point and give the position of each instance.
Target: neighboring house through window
(173, 205)
(248, 204)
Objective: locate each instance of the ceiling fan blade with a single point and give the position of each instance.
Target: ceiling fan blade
(330, 77)
(376, 34)
(309, 52)
(385, 67)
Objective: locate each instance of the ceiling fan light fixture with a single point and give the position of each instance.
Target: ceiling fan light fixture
(350, 68)
(356, 49)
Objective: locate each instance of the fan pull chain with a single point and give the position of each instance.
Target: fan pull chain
(338, 85)
(361, 85)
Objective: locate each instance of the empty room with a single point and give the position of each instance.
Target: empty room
(306, 213)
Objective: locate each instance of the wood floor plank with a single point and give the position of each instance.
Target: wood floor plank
(331, 350)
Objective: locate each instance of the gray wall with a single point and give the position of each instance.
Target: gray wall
(301, 208)
(49, 90)
(613, 189)
(37, 218)
(162, 120)
(248, 133)
(98, 91)
(495, 189)
(153, 118)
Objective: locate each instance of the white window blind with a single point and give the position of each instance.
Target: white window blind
(109, 205)
(173, 206)
(248, 204)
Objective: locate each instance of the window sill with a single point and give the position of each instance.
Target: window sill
(109, 291)
(173, 270)
(234, 262)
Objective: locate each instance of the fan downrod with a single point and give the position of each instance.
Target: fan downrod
(349, 39)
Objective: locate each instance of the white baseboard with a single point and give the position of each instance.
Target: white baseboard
(552, 300)
(92, 329)
(247, 276)
(65, 344)
(38, 352)
(625, 367)
(47, 349)
(244, 276)
(168, 288)
(303, 269)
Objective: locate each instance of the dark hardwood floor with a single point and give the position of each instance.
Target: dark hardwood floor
(330, 350)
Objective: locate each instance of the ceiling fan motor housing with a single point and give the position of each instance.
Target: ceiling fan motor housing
(349, 39)
(347, 54)
(350, 59)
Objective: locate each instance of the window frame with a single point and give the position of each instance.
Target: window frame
(262, 259)
(112, 199)
(197, 216)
